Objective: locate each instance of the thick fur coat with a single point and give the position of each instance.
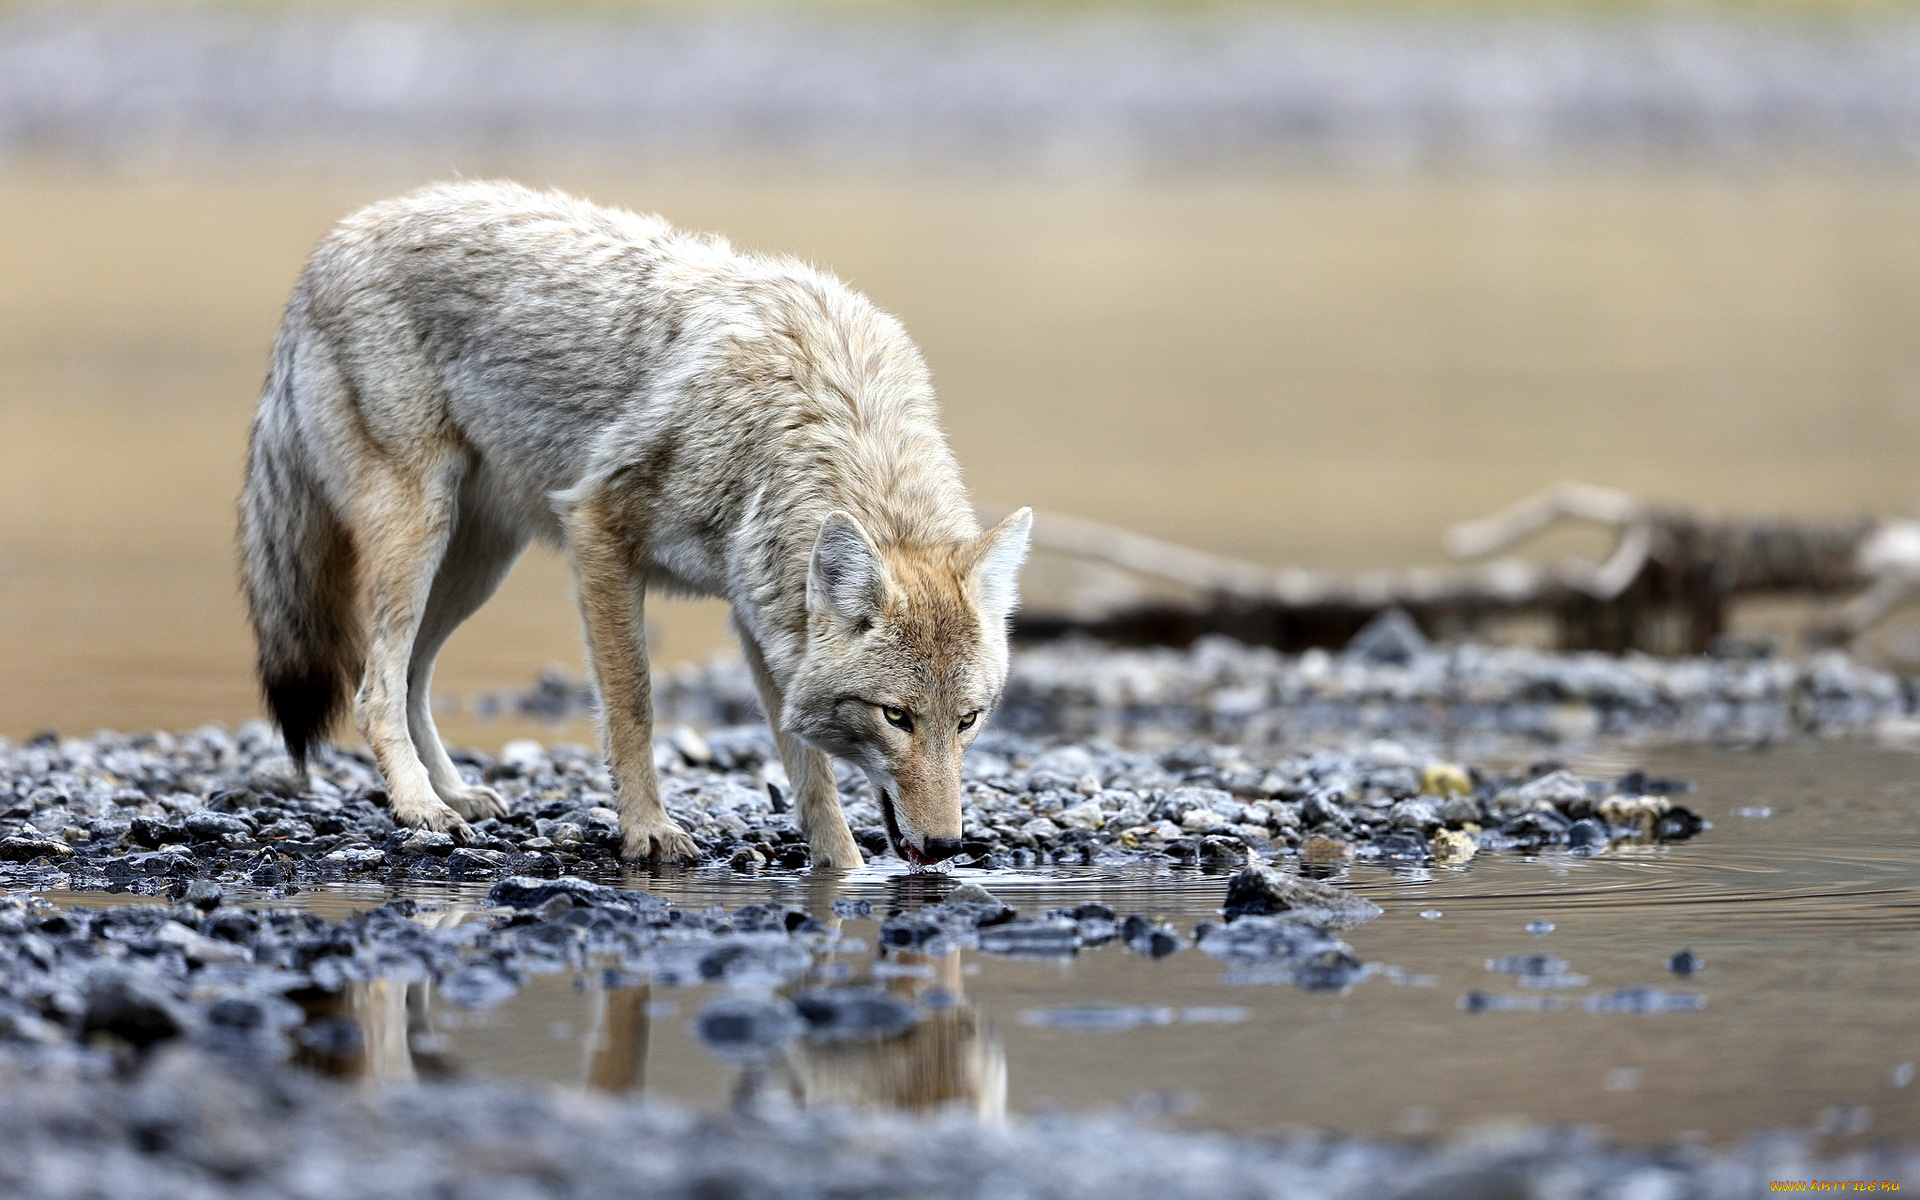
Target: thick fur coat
(475, 365)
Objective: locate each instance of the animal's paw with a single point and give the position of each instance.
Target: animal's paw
(837, 851)
(659, 840)
(477, 803)
(433, 815)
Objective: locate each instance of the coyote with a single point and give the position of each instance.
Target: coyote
(471, 366)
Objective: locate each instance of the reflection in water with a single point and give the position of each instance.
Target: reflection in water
(384, 1032)
(1805, 920)
(617, 1039)
(950, 1057)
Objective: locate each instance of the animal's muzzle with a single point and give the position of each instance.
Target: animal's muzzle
(940, 849)
(932, 850)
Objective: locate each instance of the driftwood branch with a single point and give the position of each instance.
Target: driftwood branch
(1665, 587)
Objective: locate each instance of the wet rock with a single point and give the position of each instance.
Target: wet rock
(198, 949)
(1589, 834)
(1260, 891)
(1318, 848)
(133, 1009)
(747, 859)
(1452, 846)
(426, 841)
(1685, 963)
(1032, 937)
(471, 862)
(1644, 1000)
(1271, 949)
(23, 847)
(1538, 971)
(853, 1014)
(748, 1029)
(1477, 1001)
(984, 907)
(1558, 789)
(203, 894)
(1222, 851)
(1143, 936)
(206, 825)
(524, 892)
(1678, 823)
(485, 983)
(1322, 811)
(1541, 827)
(763, 960)
(153, 833)
(1445, 780)
(1415, 816)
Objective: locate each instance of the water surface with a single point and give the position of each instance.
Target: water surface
(1807, 921)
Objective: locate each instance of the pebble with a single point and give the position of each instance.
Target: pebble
(1644, 1000)
(847, 1014)
(748, 1029)
(1260, 891)
(1107, 1018)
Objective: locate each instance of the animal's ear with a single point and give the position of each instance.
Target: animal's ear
(996, 571)
(845, 578)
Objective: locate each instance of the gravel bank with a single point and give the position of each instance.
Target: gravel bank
(144, 813)
(1476, 698)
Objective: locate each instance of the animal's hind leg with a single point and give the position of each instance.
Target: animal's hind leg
(401, 518)
(478, 556)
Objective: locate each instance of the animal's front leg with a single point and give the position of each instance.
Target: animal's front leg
(612, 593)
(816, 796)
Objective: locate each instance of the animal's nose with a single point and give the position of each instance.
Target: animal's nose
(937, 849)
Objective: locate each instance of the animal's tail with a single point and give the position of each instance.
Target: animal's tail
(298, 563)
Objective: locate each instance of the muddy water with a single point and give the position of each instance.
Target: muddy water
(1311, 370)
(1806, 920)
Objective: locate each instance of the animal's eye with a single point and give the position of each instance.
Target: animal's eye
(897, 717)
(967, 721)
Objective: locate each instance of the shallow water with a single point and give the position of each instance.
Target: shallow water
(1807, 919)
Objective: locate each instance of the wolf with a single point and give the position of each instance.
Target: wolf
(475, 365)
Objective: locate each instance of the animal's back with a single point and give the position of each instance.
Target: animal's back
(536, 321)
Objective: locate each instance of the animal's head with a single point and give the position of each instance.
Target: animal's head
(906, 657)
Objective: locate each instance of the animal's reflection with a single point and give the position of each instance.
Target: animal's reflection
(950, 1057)
(383, 1031)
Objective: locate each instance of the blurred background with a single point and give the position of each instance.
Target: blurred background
(1302, 284)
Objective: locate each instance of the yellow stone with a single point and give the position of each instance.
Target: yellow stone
(1322, 849)
(1445, 779)
(1452, 845)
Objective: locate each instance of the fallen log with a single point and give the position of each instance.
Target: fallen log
(1665, 587)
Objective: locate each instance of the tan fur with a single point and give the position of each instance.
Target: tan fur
(475, 365)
